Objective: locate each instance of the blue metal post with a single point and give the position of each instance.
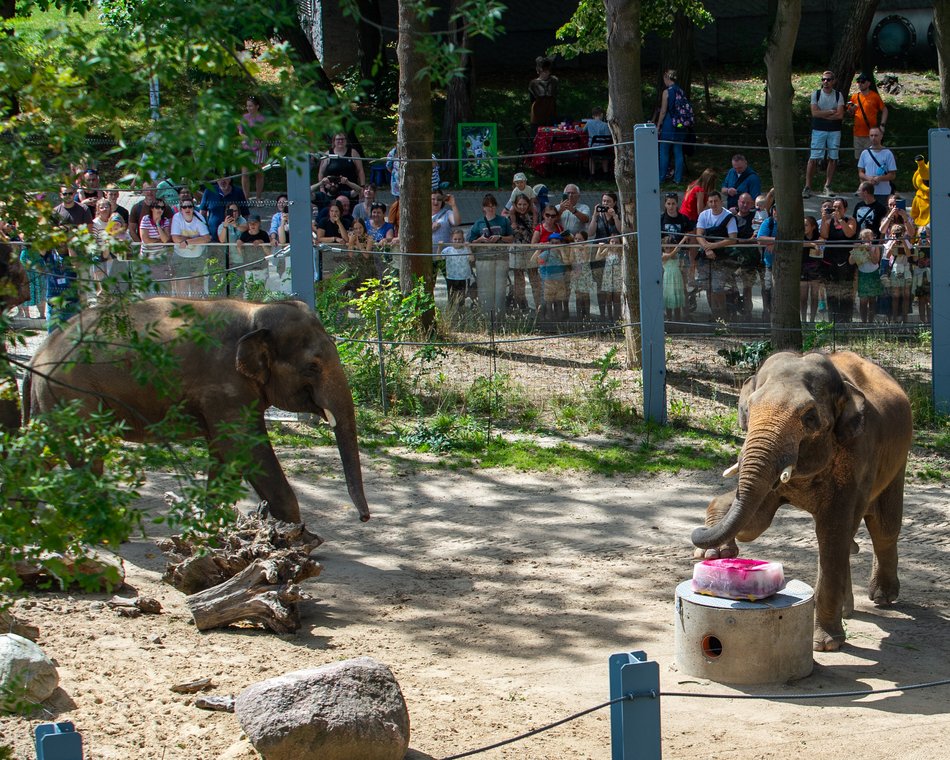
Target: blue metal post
(646, 160)
(301, 240)
(635, 723)
(939, 143)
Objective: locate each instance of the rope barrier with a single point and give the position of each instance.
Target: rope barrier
(653, 695)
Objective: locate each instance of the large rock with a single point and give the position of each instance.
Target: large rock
(347, 710)
(26, 673)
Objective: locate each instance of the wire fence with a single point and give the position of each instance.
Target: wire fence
(521, 343)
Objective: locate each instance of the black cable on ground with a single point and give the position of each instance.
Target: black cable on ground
(654, 695)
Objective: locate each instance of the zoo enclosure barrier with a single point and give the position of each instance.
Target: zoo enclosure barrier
(635, 694)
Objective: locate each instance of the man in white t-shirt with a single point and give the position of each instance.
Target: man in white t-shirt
(716, 233)
(877, 165)
(189, 233)
(574, 215)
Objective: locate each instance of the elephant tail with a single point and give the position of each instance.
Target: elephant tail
(27, 393)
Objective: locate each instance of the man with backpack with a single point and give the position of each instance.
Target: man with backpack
(827, 113)
(674, 120)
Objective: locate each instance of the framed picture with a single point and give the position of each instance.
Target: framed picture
(478, 153)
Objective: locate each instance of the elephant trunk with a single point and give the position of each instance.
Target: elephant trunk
(345, 431)
(766, 463)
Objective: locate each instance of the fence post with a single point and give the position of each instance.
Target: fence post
(382, 363)
(634, 723)
(301, 246)
(652, 338)
(939, 145)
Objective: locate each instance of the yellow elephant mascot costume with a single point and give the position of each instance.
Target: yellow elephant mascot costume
(920, 210)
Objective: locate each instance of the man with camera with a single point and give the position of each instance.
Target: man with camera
(574, 214)
(327, 190)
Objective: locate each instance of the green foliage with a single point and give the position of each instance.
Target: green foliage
(680, 411)
(747, 356)
(446, 432)
(401, 322)
(820, 336)
(586, 30)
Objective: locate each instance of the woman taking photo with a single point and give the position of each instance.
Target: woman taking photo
(604, 224)
(342, 161)
(839, 231)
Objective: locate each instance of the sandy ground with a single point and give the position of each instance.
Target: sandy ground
(496, 597)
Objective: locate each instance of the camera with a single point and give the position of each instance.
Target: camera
(601, 209)
(826, 211)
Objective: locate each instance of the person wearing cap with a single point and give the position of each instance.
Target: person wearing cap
(868, 110)
(519, 187)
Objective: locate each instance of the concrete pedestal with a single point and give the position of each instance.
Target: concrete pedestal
(739, 642)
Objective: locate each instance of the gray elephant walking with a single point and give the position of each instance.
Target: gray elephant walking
(253, 356)
(829, 434)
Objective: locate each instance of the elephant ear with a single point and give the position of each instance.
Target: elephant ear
(747, 388)
(850, 420)
(253, 358)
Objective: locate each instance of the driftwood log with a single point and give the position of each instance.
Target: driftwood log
(95, 571)
(251, 575)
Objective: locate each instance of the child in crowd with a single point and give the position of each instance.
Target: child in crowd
(761, 213)
(582, 280)
(520, 186)
(898, 252)
(552, 269)
(612, 282)
(674, 293)
(458, 267)
(921, 282)
(866, 256)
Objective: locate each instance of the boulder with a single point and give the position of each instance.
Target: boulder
(345, 710)
(26, 674)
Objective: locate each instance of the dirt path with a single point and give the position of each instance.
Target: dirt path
(497, 597)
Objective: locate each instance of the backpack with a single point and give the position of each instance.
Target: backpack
(681, 110)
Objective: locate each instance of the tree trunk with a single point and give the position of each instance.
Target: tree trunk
(373, 63)
(942, 41)
(458, 92)
(786, 264)
(12, 106)
(306, 63)
(625, 108)
(849, 49)
(414, 145)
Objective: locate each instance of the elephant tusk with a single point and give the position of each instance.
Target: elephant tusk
(787, 474)
(331, 420)
(731, 472)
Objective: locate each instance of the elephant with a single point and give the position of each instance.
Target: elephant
(255, 356)
(830, 434)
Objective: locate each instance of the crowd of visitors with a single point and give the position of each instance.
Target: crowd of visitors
(556, 257)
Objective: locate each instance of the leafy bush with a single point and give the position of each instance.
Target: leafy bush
(747, 355)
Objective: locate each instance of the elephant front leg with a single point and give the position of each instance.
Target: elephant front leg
(266, 476)
(832, 589)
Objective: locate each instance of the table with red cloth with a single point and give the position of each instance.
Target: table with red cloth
(569, 138)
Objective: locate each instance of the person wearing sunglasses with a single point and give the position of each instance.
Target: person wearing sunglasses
(827, 113)
(190, 233)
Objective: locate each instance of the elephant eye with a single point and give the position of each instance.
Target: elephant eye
(811, 419)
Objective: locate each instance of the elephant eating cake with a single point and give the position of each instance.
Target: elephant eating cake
(738, 578)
